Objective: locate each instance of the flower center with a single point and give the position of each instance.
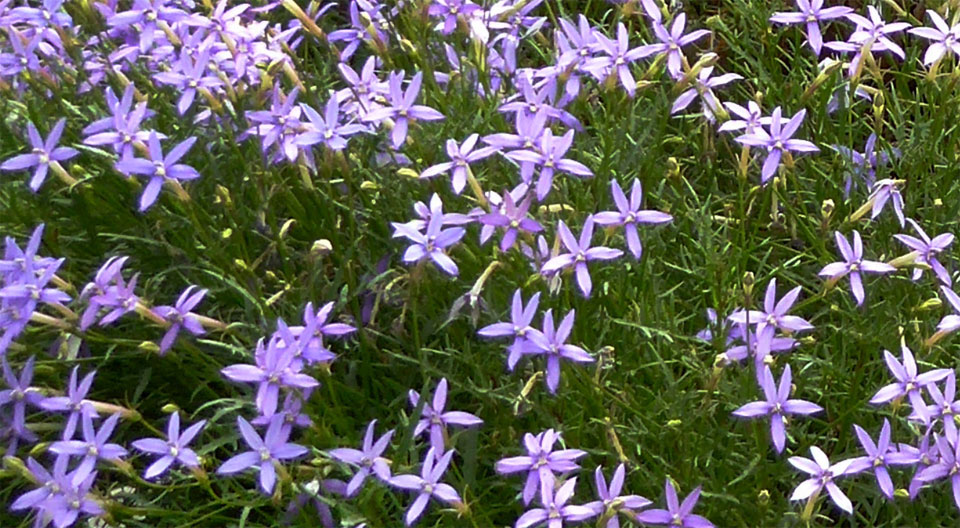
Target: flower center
(264, 454)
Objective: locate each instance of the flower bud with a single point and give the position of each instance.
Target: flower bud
(748, 282)
(763, 497)
(149, 347)
(170, 408)
(321, 248)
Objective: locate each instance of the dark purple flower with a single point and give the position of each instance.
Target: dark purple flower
(853, 265)
(927, 251)
(181, 316)
(777, 406)
(811, 13)
(73, 403)
(93, 447)
(159, 168)
(629, 215)
(43, 155)
(677, 513)
(427, 484)
(369, 459)
(580, 253)
(540, 463)
(264, 452)
(778, 141)
(434, 419)
(173, 449)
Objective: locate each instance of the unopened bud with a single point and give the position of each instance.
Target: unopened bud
(286, 227)
(827, 208)
(930, 304)
(321, 248)
(763, 497)
(901, 493)
(170, 408)
(223, 196)
(149, 347)
(748, 281)
(674, 423)
(673, 167)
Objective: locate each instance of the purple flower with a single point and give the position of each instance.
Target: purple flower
(733, 332)
(879, 455)
(450, 11)
(945, 404)
(865, 164)
(677, 513)
(927, 251)
(811, 13)
(778, 141)
(550, 157)
(618, 59)
(18, 394)
(147, 14)
(672, 41)
(427, 484)
(740, 352)
(159, 168)
(434, 419)
(540, 463)
(190, 77)
(529, 102)
(310, 336)
(947, 464)
(181, 316)
(611, 501)
(61, 497)
(777, 406)
(555, 510)
(43, 155)
(264, 452)
(93, 447)
(369, 459)
(853, 265)
(173, 449)
(431, 244)
(773, 317)
(580, 253)
(327, 129)
(944, 38)
(751, 118)
(108, 290)
(518, 327)
(461, 156)
(49, 485)
(274, 370)
(279, 125)
(122, 129)
(908, 383)
(950, 323)
(402, 109)
(874, 32)
(886, 190)
(552, 344)
(704, 88)
(73, 403)
(822, 475)
(630, 214)
(511, 216)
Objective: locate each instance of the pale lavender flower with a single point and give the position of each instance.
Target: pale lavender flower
(927, 251)
(580, 253)
(264, 452)
(777, 406)
(629, 215)
(875, 31)
(159, 168)
(540, 463)
(947, 464)
(943, 36)
(778, 141)
(552, 344)
(173, 449)
(853, 265)
(518, 328)
(704, 88)
(864, 165)
(611, 502)
(618, 58)
(555, 511)
(887, 190)
(811, 13)
(18, 395)
(822, 475)
(450, 11)
(432, 244)
(368, 460)
(326, 129)
(510, 216)
(43, 154)
(435, 421)
(950, 323)
(461, 156)
(274, 370)
(677, 513)
(879, 456)
(427, 484)
(192, 76)
(549, 156)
